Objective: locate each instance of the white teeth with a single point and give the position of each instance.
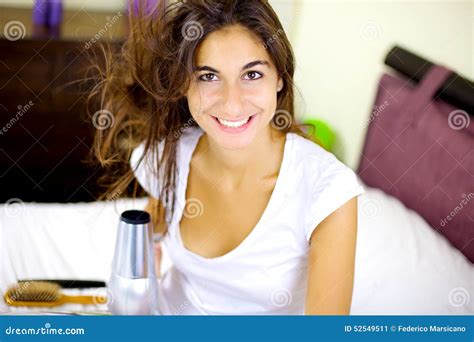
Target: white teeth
(233, 124)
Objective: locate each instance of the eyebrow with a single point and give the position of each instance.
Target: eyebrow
(245, 67)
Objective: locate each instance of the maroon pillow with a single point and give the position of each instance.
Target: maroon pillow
(421, 150)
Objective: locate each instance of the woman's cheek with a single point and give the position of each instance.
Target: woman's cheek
(264, 96)
(197, 99)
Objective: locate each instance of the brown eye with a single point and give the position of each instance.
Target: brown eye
(253, 75)
(207, 77)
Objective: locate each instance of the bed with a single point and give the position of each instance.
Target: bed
(403, 267)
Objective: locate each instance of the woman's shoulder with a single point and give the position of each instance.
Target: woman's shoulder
(319, 167)
(322, 181)
(312, 156)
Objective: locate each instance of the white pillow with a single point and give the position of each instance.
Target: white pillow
(404, 267)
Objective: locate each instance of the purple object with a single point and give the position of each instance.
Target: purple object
(421, 150)
(48, 13)
(40, 12)
(55, 15)
(146, 6)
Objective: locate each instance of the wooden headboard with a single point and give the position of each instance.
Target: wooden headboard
(44, 135)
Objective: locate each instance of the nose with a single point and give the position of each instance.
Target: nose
(232, 96)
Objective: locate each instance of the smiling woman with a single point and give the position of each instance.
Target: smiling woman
(202, 98)
(233, 96)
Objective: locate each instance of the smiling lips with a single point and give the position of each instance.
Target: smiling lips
(234, 126)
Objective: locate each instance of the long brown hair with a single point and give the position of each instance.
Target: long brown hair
(141, 88)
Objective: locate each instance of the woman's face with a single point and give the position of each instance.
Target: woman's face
(233, 92)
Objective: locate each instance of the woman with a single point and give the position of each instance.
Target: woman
(256, 218)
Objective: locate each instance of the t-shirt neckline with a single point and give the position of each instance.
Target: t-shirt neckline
(185, 161)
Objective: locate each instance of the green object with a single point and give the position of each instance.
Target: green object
(321, 133)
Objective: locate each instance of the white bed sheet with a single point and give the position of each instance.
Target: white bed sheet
(403, 267)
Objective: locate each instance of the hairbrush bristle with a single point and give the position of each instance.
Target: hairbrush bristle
(35, 291)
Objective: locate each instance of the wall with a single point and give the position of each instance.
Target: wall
(340, 47)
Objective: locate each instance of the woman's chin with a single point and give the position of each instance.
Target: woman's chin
(233, 143)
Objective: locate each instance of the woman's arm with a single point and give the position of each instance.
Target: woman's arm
(331, 263)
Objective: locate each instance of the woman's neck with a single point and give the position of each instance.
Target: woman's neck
(232, 168)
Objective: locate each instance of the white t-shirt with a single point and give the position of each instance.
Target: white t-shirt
(267, 273)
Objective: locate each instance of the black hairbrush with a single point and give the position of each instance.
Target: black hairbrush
(69, 283)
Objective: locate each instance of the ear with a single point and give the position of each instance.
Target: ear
(280, 85)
